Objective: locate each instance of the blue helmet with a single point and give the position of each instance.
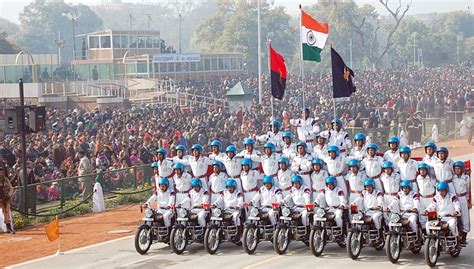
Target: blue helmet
(335, 149)
(353, 162)
(284, 160)
(247, 162)
(218, 164)
(406, 183)
(178, 166)
(270, 145)
(216, 143)
(387, 164)
(373, 146)
(359, 136)
(198, 147)
(164, 181)
(268, 179)
(249, 141)
(423, 166)
(231, 183)
(287, 134)
(444, 149)
(306, 110)
(337, 121)
(430, 144)
(275, 123)
(302, 144)
(458, 164)
(317, 161)
(180, 147)
(231, 148)
(162, 151)
(332, 180)
(296, 178)
(394, 139)
(154, 165)
(369, 182)
(196, 182)
(443, 185)
(405, 149)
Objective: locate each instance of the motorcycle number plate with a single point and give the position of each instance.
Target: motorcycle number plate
(358, 221)
(182, 219)
(216, 218)
(254, 218)
(285, 218)
(320, 219)
(147, 219)
(435, 228)
(395, 224)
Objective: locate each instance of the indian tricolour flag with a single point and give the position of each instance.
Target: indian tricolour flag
(313, 37)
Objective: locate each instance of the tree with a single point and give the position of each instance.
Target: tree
(5, 46)
(234, 29)
(8, 27)
(42, 20)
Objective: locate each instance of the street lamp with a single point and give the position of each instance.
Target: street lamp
(72, 16)
(60, 43)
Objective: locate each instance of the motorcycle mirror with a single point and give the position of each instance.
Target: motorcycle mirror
(141, 208)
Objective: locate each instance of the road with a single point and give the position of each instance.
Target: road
(121, 253)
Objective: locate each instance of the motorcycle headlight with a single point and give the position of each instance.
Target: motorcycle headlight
(216, 212)
(320, 213)
(394, 218)
(182, 213)
(285, 212)
(357, 216)
(148, 213)
(433, 223)
(253, 212)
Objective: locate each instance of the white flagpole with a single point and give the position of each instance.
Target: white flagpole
(302, 62)
(259, 54)
(334, 106)
(270, 76)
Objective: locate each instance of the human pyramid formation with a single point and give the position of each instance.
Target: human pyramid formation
(326, 169)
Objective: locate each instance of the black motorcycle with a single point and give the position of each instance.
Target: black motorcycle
(186, 230)
(400, 236)
(290, 228)
(325, 230)
(362, 232)
(151, 230)
(258, 227)
(221, 228)
(439, 238)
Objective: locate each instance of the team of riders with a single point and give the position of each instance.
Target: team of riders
(325, 169)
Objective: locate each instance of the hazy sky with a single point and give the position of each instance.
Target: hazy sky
(9, 9)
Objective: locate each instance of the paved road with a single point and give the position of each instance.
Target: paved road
(121, 254)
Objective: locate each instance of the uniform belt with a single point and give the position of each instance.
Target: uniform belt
(353, 191)
(220, 192)
(255, 168)
(343, 150)
(251, 190)
(237, 176)
(287, 188)
(392, 193)
(321, 190)
(183, 192)
(309, 140)
(305, 173)
(279, 151)
(337, 175)
(461, 194)
(447, 181)
(428, 196)
(377, 176)
(274, 175)
(203, 176)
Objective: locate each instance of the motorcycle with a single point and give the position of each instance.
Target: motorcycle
(362, 232)
(258, 227)
(290, 228)
(400, 236)
(151, 230)
(187, 229)
(439, 238)
(325, 230)
(221, 228)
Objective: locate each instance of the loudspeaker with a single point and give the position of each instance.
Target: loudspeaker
(37, 119)
(12, 123)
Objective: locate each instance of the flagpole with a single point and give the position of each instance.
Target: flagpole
(302, 61)
(58, 252)
(334, 106)
(270, 75)
(259, 55)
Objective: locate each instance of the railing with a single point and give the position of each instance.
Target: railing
(50, 194)
(184, 99)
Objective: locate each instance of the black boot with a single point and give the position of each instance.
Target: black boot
(464, 239)
(10, 229)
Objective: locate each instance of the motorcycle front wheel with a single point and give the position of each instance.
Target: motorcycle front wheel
(394, 248)
(250, 240)
(211, 240)
(143, 239)
(281, 240)
(353, 245)
(178, 240)
(317, 241)
(431, 252)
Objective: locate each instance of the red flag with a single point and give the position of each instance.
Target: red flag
(278, 74)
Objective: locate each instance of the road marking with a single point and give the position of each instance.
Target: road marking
(138, 261)
(273, 258)
(69, 251)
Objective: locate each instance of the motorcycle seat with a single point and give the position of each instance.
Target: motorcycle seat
(227, 216)
(193, 217)
(405, 222)
(159, 217)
